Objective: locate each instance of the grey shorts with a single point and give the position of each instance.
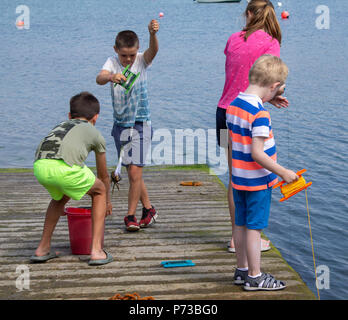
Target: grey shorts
(135, 141)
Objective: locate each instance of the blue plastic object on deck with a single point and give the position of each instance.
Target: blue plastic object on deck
(177, 263)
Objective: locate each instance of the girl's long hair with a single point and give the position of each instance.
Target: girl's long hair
(263, 17)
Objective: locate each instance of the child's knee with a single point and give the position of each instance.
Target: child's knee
(134, 173)
(97, 188)
(61, 202)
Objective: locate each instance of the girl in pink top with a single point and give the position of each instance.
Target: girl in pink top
(240, 56)
(261, 35)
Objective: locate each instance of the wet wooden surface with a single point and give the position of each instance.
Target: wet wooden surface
(193, 224)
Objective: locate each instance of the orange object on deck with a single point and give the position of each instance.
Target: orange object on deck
(191, 183)
(130, 296)
(288, 190)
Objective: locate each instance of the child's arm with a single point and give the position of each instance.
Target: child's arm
(105, 76)
(268, 163)
(151, 52)
(103, 175)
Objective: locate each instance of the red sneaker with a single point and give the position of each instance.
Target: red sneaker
(131, 223)
(149, 217)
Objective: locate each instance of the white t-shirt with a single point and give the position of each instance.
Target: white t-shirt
(134, 106)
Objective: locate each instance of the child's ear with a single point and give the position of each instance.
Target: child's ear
(116, 50)
(94, 119)
(69, 115)
(275, 86)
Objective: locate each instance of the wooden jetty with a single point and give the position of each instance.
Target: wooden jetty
(193, 224)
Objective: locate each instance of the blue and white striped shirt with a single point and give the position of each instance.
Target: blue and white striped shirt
(134, 106)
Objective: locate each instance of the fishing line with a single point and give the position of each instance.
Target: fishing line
(293, 188)
(310, 233)
(288, 144)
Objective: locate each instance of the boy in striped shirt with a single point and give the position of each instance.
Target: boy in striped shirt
(255, 168)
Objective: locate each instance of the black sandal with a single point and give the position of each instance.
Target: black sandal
(264, 282)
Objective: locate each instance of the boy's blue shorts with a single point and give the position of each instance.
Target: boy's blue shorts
(252, 208)
(135, 141)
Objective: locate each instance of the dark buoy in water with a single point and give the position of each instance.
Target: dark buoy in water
(285, 15)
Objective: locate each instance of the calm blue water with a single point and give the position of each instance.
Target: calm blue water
(69, 41)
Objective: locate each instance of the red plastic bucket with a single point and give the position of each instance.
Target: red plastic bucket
(80, 229)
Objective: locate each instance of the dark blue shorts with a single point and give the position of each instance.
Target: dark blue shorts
(252, 208)
(135, 141)
(221, 128)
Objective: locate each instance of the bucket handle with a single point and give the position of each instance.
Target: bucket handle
(82, 207)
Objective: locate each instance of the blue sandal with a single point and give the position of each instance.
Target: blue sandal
(38, 259)
(100, 262)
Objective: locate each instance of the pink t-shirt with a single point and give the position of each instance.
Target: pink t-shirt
(240, 56)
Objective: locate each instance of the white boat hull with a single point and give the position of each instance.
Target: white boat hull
(216, 1)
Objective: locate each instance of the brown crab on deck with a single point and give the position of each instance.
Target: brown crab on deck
(115, 179)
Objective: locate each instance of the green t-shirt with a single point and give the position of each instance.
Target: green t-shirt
(71, 141)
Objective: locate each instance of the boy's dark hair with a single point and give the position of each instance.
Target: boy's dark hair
(126, 39)
(84, 105)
